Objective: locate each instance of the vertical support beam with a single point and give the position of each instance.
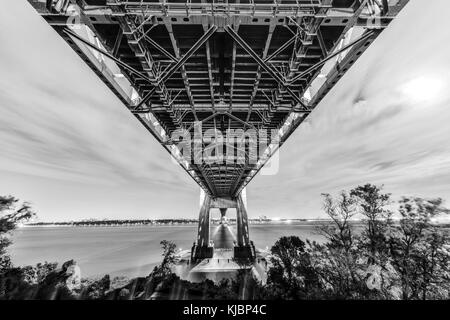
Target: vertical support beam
(203, 219)
(322, 45)
(385, 7)
(117, 42)
(202, 249)
(243, 238)
(244, 248)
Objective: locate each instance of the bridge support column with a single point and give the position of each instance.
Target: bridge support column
(223, 212)
(245, 248)
(202, 248)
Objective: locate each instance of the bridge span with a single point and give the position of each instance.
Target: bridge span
(221, 84)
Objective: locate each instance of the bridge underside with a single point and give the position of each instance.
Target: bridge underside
(214, 68)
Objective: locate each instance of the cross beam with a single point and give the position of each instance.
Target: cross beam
(188, 54)
(264, 65)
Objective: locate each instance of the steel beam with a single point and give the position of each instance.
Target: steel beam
(264, 65)
(280, 49)
(266, 103)
(188, 54)
(258, 72)
(210, 76)
(183, 68)
(160, 49)
(110, 56)
(331, 56)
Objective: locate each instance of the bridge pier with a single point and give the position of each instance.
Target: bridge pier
(244, 248)
(203, 248)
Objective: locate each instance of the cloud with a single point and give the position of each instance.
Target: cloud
(368, 129)
(60, 126)
(70, 147)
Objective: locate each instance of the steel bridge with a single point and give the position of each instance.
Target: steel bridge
(220, 66)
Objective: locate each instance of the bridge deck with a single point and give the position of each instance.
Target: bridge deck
(228, 64)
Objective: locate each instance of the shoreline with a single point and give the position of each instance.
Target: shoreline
(100, 224)
(190, 224)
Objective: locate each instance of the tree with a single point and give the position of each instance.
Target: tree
(291, 275)
(159, 278)
(372, 205)
(340, 211)
(419, 250)
(11, 214)
(339, 262)
(168, 254)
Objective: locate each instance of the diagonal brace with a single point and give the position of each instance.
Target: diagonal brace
(160, 48)
(331, 56)
(188, 54)
(110, 56)
(280, 49)
(263, 64)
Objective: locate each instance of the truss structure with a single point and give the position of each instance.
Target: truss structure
(262, 64)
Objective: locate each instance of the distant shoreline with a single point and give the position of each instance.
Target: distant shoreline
(165, 222)
(184, 222)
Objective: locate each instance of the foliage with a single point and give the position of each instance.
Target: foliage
(36, 274)
(372, 206)
(420, 250)
(378, 257)
(291, 275)
(11, 214)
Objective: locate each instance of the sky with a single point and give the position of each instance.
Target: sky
(70, 147)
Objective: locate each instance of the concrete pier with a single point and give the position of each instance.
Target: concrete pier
(242, 247)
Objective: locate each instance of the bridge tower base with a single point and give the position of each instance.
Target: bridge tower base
(245, 248)
(203, 248)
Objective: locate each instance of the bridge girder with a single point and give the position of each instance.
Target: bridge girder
(226, 64)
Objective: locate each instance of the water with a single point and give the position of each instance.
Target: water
(125, 251)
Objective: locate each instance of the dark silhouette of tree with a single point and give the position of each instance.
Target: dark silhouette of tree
(337, 262)
(291, 275)
(339, 233)
(341, 262)
(168, 254)
(11, 214)
(419, 250)
(371, 204)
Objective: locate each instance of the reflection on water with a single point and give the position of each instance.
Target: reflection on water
(124, 251)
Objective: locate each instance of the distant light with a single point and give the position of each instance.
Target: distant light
(426, 88)
(276, 219)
